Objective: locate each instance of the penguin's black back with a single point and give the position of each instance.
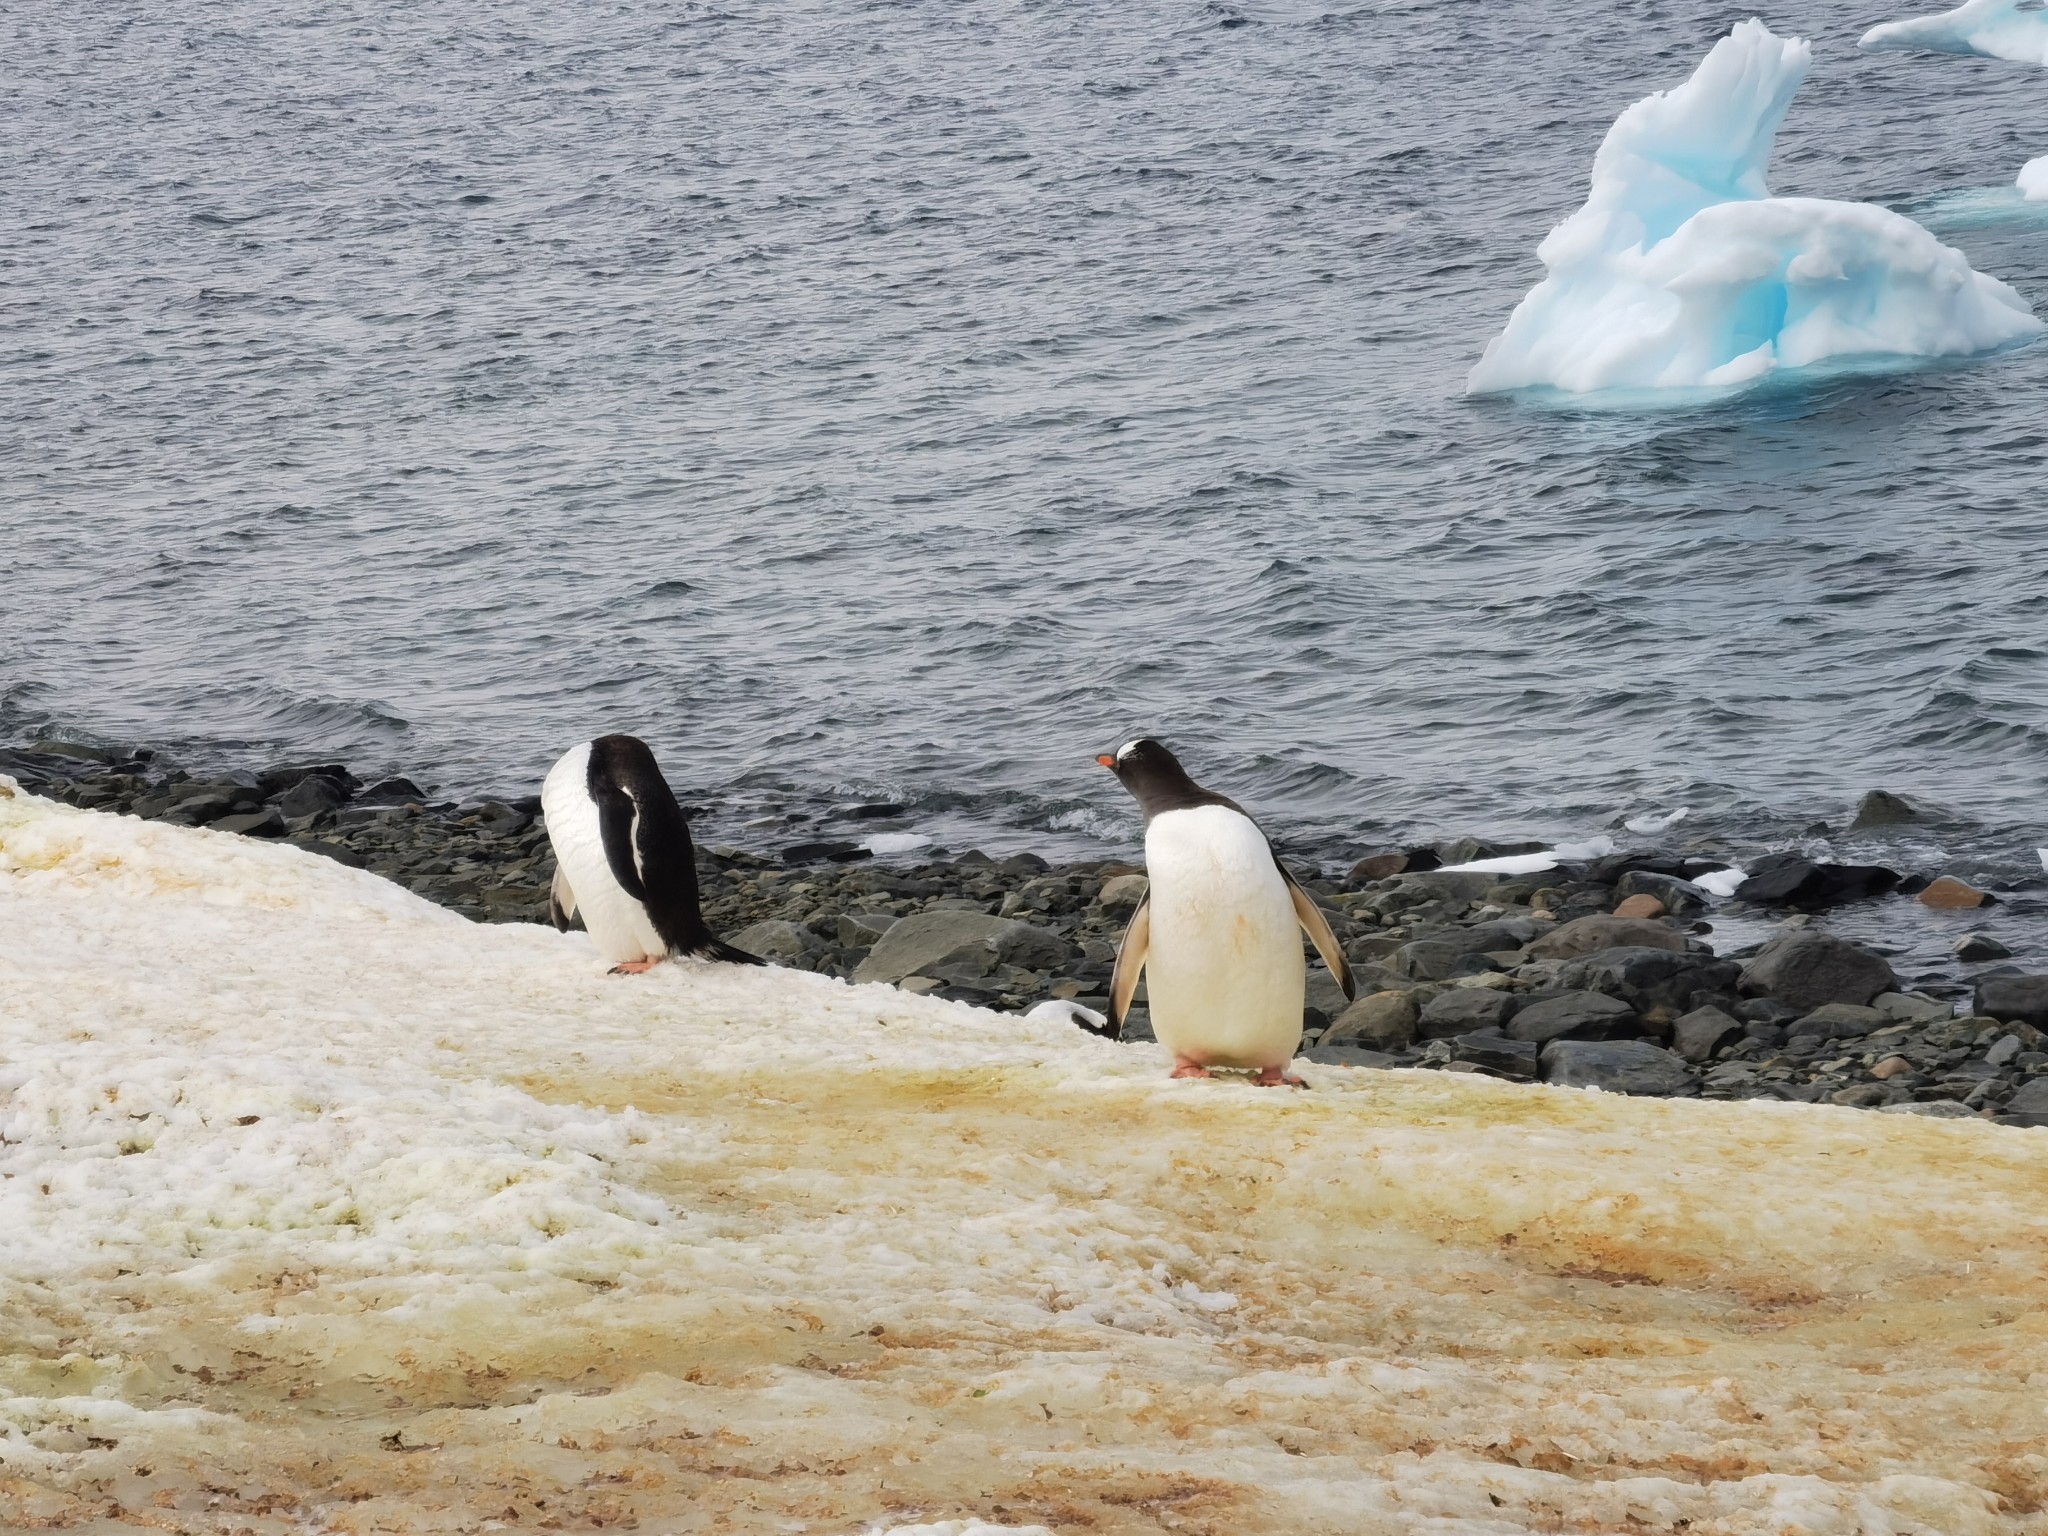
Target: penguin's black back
(647, 844)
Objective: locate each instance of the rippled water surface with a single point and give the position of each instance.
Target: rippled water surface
(913, 399)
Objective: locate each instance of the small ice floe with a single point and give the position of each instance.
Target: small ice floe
(1721, 882)
(1534, 863)
(2043, 852)
(1657, 821)
(882, 844)
(1682, 271)
(1064, 1010)
(1985, 29)
(2033, 180)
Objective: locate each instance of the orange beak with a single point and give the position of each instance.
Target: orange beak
(1105, 759)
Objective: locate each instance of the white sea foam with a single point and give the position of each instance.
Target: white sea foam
(301, 1176)
(1992, 29)
(1682, 271)
(882, 844)
(1657, 821)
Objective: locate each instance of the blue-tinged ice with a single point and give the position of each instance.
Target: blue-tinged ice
(1992, 29)
(1683, 272)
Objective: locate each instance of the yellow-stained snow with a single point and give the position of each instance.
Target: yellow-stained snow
(323, 1209)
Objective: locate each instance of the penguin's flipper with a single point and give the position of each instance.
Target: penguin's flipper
(561, 901)
(1311, 918)
(1130, 962)
(618, 824)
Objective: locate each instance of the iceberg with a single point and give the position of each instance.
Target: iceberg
(1682, 271)
(1990, 29)
(2033, 180)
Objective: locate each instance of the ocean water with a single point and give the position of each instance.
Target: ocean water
(910, 400)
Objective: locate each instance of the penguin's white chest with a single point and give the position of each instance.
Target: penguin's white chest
(618, 923)
(1224, 974)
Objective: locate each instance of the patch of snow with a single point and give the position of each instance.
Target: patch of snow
(1534, 863)
(300, 1172)
(1682, 271)
(1657, 821)
(1721, 882)
(1991, 29)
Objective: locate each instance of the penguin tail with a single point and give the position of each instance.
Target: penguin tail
(718, 949)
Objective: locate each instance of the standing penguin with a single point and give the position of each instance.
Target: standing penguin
(1218, 933)
(623, 858)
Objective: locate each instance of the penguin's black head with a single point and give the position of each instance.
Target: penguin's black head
(1152, 774)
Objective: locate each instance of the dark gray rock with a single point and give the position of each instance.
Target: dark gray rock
(263, 823)
(927, 942)
(2022, 999)
(1696, 1036)
(1618, 1066)
(1806, 969)
(1497, 1054)
(1680, 897)
(1323, 1000)
(824, 852)
(1882, 809)
(1575, 1016)
(2001, 1051)
(393, 791)
(1788, 880)
(1974, 947)
(1591, 934)
(1424, 960)
(1380, 1020)
(1764, 1010)
(336, 852)
(860, 930)
(1651, 978)
(2031, 1099)
(1502, 934)
(780, 942)
(1463, 1010)
(1933, 1109)
(311, 795)
(1837, 1021)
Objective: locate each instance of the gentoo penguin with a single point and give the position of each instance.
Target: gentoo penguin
(623, 858)
(1218, 934)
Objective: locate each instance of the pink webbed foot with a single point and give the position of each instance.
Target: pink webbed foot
(1273, 1077)
(1182, 1067)
(634, 967)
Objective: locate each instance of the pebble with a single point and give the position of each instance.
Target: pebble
(1548, 975)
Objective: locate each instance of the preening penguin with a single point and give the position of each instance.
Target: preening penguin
(1218, 934)
(623, 858)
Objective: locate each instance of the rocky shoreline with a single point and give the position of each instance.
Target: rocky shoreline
(1595, 972)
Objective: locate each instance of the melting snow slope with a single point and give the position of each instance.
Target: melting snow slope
(1682, 271)
(322, 1209)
